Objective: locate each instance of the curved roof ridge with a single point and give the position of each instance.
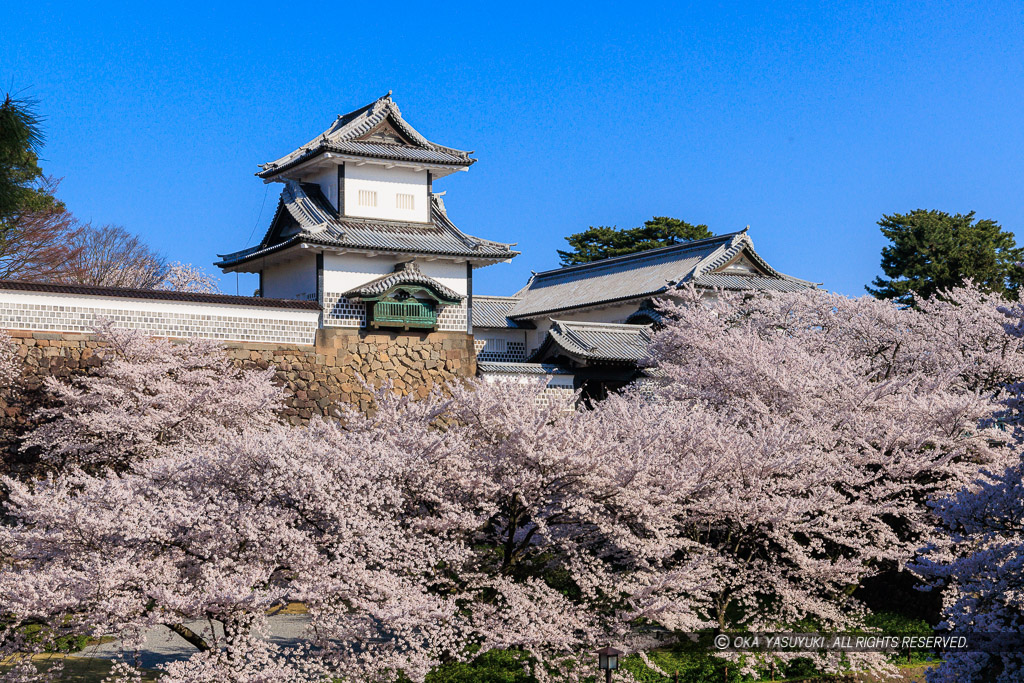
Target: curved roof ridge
(639, 255)
(648, 273)
(347, 128)
(406, 273)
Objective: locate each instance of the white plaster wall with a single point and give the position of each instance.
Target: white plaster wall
(534, 338)
(293, 279)
(451, 274)
(610, 314)
(343, 272)
(508, 334)
(552, 381)
(52, 312)
(327, 179)
(387, 182)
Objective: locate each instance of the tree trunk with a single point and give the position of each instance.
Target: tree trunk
(189, 635)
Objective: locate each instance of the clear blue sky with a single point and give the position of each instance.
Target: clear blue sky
(806, 121)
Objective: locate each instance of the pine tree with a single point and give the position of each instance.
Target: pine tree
(933, 251)
(594, 244)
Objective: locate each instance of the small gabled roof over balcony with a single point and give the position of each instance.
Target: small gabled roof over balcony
(405, 275)
(376, 131)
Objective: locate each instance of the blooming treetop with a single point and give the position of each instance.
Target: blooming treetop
(151, 395)
(184, 277)
(788, 454)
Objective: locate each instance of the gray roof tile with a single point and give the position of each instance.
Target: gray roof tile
(645, 274)
(600, 342)
(319, 224)
(342, 136)
(492, 311)
(405, 274)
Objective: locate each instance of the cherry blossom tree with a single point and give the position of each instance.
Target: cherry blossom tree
(184, 277)
(820, 426)
(559, 508)
(980, 567)
(10, 369)
(978, 557)
(148, 396)
(219, 533)
(417, 535)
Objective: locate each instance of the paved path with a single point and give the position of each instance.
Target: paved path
(163, 645)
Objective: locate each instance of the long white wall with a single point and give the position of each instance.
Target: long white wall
(388, 183)
(53, 312)
(343, 272)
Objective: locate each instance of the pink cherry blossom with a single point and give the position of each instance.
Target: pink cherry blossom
(151, 395)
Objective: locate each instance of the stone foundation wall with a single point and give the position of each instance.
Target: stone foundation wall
(315, 377)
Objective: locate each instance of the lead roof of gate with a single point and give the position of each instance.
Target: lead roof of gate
(597, 342)
(712, 262)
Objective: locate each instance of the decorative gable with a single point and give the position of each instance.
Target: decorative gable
(385, 133)
(741, 265)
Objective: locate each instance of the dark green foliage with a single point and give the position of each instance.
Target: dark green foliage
(933, 251)
(897, 624)
(21, 138)
(602, 242)
(694, 664)
(494, 666)
(895, 591)
(54, 642)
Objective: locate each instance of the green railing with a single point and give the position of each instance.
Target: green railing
(410, 313)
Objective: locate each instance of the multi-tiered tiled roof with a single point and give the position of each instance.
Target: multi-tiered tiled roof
(375, 131)
(305, 216)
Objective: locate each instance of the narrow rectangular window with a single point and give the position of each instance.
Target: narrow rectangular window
(367, 198)
(405, 201)
(493, 345)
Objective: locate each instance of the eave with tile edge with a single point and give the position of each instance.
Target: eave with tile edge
(406, 273)
(305, 219)
(640, 276)
(589, 343)
(376, 131)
